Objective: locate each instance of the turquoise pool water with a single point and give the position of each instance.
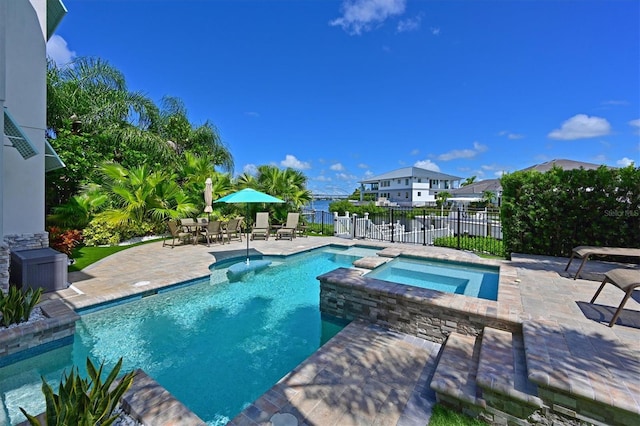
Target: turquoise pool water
(215, 345)
(451, 277)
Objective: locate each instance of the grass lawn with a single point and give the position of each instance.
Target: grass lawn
(85, 256)
(442, 416)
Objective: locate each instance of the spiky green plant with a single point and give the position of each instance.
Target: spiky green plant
(16, 305)
(83, 402)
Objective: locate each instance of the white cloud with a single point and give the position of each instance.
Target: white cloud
(252, 114)
(251, 169)
(294, 163)
(363, 166)
(427, 164)
(415, 152)
(635, 123)
(463, 153)
(581, 126)
(624, 162)
(409, 24)
(435, 31)
(338, 167)
(58, 51)
(499, 174)
(615, 103)
(323, 178)
(363, 15)
(345, 176)
(479, 147)
(368, 173)
(510, 135)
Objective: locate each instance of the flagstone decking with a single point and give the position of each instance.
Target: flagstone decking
(368, 374)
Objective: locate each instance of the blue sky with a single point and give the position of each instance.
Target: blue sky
(345, 90)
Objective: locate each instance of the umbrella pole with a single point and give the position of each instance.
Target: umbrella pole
(246, 228)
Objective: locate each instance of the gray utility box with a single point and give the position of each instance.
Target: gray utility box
(44, 267)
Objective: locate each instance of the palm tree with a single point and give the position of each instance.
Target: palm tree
(441, 198)
(204, 140)
(139, 196)
(468, 181)
(488, 196)
(288, 184)
(192, 174)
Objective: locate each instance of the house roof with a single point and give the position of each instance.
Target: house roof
(564, 164)
(55, 12)
(492, 185)
(406, 172)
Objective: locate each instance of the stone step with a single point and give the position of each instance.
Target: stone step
(455, 376)
(502, 374)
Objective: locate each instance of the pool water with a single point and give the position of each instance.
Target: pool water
(451, 277)
(216, 346)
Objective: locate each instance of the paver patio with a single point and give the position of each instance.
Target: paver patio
(370, 375)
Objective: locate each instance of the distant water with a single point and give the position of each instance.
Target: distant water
(319, 205)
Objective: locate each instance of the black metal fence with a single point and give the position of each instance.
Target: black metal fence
(477, 230)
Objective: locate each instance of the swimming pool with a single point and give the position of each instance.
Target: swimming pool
(452, 277)
(216, 346)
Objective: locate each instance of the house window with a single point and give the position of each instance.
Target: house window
(419, 193)
(446, 184)
(399, 181)
(406, 195)
(406, 182)
(398, 194)
(419, 180)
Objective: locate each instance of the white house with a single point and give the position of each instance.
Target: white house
(408, 186)
(25, 155)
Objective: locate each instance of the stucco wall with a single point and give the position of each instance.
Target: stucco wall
(25, 88)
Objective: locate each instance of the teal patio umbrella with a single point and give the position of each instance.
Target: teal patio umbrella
(247, 196)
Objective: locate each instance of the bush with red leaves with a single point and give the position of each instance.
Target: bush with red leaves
(64, 240)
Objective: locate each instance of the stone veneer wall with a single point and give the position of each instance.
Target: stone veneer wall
(60, 322)
(4, 266)
(18, 242)
(428, 314)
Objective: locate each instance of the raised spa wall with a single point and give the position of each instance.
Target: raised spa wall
(429, 314)
(25, 340)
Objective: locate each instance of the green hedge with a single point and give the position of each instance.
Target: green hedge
(549, 213)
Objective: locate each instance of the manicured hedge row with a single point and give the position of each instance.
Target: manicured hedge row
(549, 213)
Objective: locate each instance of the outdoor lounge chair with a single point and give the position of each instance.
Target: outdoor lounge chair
(233, 228)
(176, 233)
(288, 231)
(261, 227)
(626, 280)
(213, 232)
(585, 251)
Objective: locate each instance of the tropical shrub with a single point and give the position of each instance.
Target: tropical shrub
(486, 245)
(16, 305)
(550, 213)
(64, 241)
(102, 231)
(84, 402)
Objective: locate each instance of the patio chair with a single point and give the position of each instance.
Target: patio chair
(213, 231)
(176, 233)
(261, 227)
(288, 231)
(626, 280)
(233, 228)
